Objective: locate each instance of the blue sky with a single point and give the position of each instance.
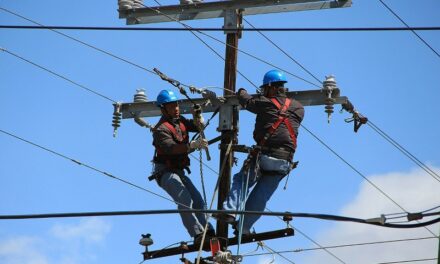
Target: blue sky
(391, 77)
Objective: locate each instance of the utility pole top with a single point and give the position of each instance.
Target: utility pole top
(217, 9)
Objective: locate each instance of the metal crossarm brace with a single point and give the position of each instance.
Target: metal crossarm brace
(149, 109)
(217, 9)
(287, 232)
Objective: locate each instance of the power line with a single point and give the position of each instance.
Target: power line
(80, 41)
(88, 166)
(413, 31)
(275, 252)
(388, 138)
(284, 52)
(274, 29)
(319, 245)
(347, 245)
(407, 261)
(263, 213)
(229, 45)
(357, 171)
(58, 75)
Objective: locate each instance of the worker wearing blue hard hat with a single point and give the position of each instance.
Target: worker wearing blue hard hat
(171, 161)
(275, 133)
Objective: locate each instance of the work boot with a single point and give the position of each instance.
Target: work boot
(186, 2)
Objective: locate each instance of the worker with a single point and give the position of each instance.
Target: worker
(276, 130)
(170, 138)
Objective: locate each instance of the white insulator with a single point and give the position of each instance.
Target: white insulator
(138, 3)
(125, 4)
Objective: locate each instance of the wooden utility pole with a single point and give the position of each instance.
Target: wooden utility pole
(228, 123)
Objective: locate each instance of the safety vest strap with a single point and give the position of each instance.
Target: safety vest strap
(180, 138)
(282, 118)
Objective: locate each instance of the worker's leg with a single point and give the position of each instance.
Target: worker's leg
(272, 170)
(173, 185)
(238, 191)
(198, 202)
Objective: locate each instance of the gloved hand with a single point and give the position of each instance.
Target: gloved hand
(199, 143)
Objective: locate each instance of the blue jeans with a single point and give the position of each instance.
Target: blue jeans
(260, 187)
(185, 194)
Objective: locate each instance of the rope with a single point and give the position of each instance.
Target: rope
(243, 198)
(202, 180)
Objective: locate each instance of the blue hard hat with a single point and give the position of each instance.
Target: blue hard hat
(165, 97)
(273, 76)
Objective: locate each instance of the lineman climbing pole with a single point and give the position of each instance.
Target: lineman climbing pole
(232, 11)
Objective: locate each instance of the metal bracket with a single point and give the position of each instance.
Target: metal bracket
(233, 21)
(225, 118)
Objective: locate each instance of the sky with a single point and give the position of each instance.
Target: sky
(390, 77)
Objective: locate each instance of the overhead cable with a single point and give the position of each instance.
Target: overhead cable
(275, 252)
(412, 30)
(408, 154)
(179, 211)
(58, 75)
(89, 166)
(80, 41)
(229, 45)
(358, 172)
(408, 261)
(345, 245)
(285, 53)
(252, 29)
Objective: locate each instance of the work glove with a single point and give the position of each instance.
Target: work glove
(199, 143)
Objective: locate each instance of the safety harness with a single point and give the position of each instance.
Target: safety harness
(180, 161)
(282, 118)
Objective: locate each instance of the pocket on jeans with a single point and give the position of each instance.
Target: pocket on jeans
(271, 164)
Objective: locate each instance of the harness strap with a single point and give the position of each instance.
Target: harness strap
(282, 118)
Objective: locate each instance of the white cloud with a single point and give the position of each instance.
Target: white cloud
(21, 250)
(89, 230)
(65, 244)
(414, 191)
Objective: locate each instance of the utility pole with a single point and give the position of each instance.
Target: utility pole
(228, 123)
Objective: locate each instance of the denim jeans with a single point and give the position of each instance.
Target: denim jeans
(260, 187)
(185, 194)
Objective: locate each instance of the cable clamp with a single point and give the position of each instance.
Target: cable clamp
(378, 220)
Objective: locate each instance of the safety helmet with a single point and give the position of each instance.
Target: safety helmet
(165, 97)
(273, 76)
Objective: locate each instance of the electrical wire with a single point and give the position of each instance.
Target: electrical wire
(345, 245)
(285, 53)
(58, 75)
(403, 150)
(413, 31)
(204, 211)
(274, 29)
(204, 42)
(275, 252)
(357, 171)
(89, 167)
(80, 41)
(320, 246)
(408, 261)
